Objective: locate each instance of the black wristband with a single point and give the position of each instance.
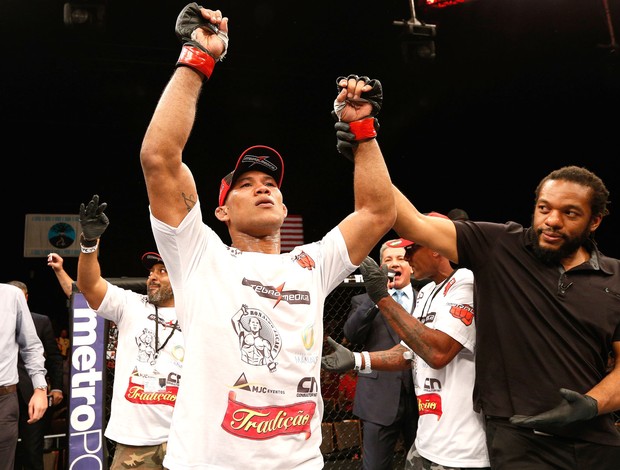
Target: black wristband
(87, 243)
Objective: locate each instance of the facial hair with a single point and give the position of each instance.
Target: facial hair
(161, 295)
(566, 249)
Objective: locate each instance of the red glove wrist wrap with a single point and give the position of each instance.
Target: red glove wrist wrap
(197, 59)
(364, 128)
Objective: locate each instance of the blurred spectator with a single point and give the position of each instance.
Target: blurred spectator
(64, 343)
(457, 214)
(346, 393)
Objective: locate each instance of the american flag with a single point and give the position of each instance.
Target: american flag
(292, 233)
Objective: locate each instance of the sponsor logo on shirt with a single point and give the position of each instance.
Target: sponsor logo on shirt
(259, 340)
(136, 394)
(463, 312)
(304, 260)
(307, 387)
(278, 293)
(267, 422)
(430, 404)
(253, 387)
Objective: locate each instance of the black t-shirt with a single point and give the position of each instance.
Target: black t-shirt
(539, 328)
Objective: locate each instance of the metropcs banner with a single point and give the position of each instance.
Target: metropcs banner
(86, 395)
(46, 233)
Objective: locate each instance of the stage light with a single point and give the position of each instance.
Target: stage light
(418, 38)
(84, 15)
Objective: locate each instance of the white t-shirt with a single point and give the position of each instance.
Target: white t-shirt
(146, 381)
(449, 432)
(253, 327)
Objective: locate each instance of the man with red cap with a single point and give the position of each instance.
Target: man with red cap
(384, 400)
(150, 351)
(252, 316)
(438, 343)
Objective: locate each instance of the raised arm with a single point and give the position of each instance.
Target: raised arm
(169, 182)
(436, 233)
(94, 222)
(374, 213)
(55, 261)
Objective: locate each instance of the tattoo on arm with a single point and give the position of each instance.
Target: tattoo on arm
(190, 201)
(408, 328)
(391, 359)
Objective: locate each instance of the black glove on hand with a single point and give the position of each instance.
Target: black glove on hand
(92, 219)
(345, 139)
(375, 279)
(340, 360)
(574, 407)
(374, 96)
(347, 134)
(188, 20)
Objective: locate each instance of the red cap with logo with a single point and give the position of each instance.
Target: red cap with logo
(256, 158)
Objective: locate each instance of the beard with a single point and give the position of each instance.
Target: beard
(158, 297)
(554, 256)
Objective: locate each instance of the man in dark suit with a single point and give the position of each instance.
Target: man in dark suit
(29, 454)
(384, 401)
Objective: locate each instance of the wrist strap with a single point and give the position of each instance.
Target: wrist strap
(88, 246)
(88, 249)
(364, 128)
(199, 60)
(367, 366)
(358, 361)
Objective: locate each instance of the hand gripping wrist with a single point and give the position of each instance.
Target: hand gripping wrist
(364, 129)
(194, 57)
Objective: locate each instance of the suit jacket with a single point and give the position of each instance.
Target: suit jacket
(53, 358)
(377, 394)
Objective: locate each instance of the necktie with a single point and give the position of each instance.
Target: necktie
(401, 297)
(398, 296)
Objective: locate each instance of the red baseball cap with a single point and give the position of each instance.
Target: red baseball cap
(257, 158)
(398, 243)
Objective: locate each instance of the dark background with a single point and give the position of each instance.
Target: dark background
(517, 89)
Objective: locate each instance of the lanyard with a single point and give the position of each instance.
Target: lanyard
(174, 327)
(429, 300)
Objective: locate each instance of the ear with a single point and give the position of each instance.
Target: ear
(221, 212)
(595, 222)
(285, 210)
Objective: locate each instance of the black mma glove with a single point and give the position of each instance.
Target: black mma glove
(345, 139)
(194, 54)
(574, 407)
(373, 96)
(93, 221)
(348, 134)
(375, 279)
(340, 360)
